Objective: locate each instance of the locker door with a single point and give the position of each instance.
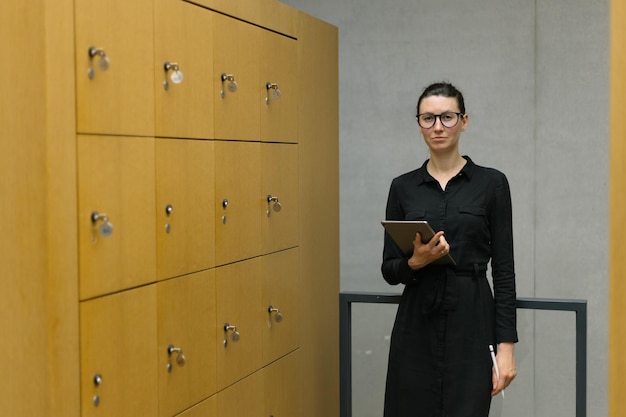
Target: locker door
(279, 175)
(207, 408)
(185, 206)
(118, 358)
(280, 18)
(186, 341)
(183, 45)
(282, 387)
(281, 301)
(239, 320)
(236, 79)
(116, 197)
(243, 399)
(279, 106)
(115, 67)
(249, 10)
(266, 13)
(239, 204)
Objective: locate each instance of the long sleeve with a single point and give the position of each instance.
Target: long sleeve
(502, 263)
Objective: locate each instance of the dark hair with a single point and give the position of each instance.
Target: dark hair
(442, 89)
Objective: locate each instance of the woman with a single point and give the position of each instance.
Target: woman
(439, 361)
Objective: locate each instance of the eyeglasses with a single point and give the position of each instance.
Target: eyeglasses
(448, 119)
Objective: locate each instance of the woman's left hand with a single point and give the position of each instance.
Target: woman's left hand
(506, 365)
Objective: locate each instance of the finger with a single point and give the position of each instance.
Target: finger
(442, 248)
(494, 383)
(417, 243)
(435, 239)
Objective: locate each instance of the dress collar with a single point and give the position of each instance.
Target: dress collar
(467, 171)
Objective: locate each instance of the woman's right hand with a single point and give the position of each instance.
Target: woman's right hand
(425, 253)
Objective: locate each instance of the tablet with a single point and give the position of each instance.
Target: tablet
(403, 233)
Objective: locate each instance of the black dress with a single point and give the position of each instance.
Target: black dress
(439, 361)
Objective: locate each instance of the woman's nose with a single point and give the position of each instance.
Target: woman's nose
(438, 125)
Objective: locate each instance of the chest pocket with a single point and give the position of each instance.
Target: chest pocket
(473, 210)
(475, 222)
(417, 214)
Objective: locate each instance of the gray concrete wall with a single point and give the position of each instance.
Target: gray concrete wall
(535, 79)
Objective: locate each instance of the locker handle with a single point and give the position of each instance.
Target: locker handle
(181, 360)
(232, 84)
(224, 206)
(176, 76)
(234, 336)
(105, 229)
(277, 206)
(97, 380)
(278, 317)
(272, 91)
(103, 61)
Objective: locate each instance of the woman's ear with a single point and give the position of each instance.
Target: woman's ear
(464, 122)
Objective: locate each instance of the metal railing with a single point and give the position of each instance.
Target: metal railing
(346, 299)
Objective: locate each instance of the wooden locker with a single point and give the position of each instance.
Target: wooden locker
(243, 399)
(265, 13)
(239, 203)
(117, 284)
(240, 317)
(207, 408)
(183, 45)
(318, 149)
(248, 10)
(279, 185)
(186, 341)
(278, 62)
(236, 79)
(116, 216)
(281, 381)
(114, 67)
(280, 18)
(118, 336)
(281, 301)
(185, 209)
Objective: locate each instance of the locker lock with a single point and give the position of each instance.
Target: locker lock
(176, 76)
(224, 206)
(234, 334)
(278, 317)
(181, 360)
(231, 86)
(276, 206)
(169, 209)
(103, 60)
(272, 91)
(97, 381)
(105, 229)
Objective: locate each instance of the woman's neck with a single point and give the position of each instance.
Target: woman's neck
(445, 166)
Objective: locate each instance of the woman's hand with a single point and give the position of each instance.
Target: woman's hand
(506, 365)
(425, 253)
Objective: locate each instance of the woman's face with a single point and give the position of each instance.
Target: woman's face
(440, 138)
